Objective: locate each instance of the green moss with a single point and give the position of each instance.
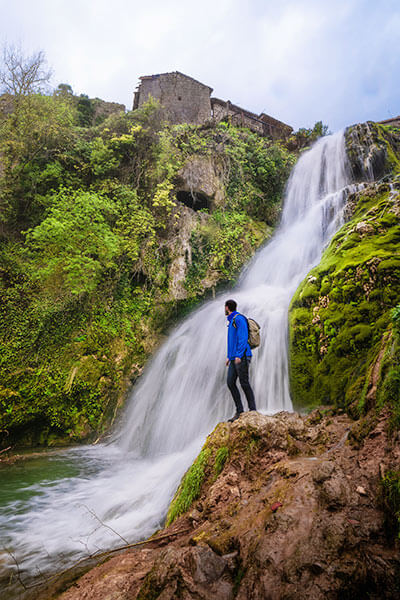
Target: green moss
(338, 322)
(221, 246)
(389, 388)
(390, 486)
(389, 135)
(151, 587)
(220, 459)
(252, 446)
(239, 575)
(189, 489)
(362, 429)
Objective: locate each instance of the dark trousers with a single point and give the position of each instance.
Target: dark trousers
(242, 371)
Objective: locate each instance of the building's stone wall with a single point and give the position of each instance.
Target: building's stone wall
(184, 100)
(262, 124)
(274, 128)
(222, 110)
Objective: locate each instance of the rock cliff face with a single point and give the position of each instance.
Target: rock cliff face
(277, 507)
(340, 320)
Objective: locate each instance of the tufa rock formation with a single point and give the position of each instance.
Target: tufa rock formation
(340, 316)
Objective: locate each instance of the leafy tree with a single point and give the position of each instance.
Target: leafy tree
(75, 243)
(64, 90)
(33, 138)
(102, 158)
(304, 137)
(137, 231)
(85, 111)
(319, 130)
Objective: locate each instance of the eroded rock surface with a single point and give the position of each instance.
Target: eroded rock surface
(293, 512)
(204, 176)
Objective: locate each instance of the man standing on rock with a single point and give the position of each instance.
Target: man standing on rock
(238, 358)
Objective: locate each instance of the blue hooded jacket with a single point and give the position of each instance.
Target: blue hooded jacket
(238, 336)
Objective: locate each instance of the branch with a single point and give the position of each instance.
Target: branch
(18, 569)
(104, 524)
(96, 555)
(22, 75)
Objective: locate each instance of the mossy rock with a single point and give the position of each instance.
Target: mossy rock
(205, 469)
(338, 323)
(373, 150)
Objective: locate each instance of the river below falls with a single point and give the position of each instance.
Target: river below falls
(59, 505)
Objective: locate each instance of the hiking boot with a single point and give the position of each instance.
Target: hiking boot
(235, 416)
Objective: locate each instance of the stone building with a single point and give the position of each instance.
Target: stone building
(185, 100)
(262, 124)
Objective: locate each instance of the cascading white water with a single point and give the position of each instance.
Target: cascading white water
(183, 394)
(126, 487)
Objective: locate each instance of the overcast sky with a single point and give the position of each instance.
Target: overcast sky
(300, 61)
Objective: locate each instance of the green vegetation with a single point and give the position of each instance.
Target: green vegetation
(390, 486)
(303, 138)
(212, 244)
(389, 390)
(90, 231)
(207, 467)
(342, 351)
(85, 110)
(222, 447)
(220, 459)
(189, 489)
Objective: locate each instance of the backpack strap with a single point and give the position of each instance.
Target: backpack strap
(235, 326)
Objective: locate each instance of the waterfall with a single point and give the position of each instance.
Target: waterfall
(126, 486)
(183, 393)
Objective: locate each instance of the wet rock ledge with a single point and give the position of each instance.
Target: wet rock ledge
(274, 507)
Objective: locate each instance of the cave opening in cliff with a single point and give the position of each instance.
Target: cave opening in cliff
(194, 200)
